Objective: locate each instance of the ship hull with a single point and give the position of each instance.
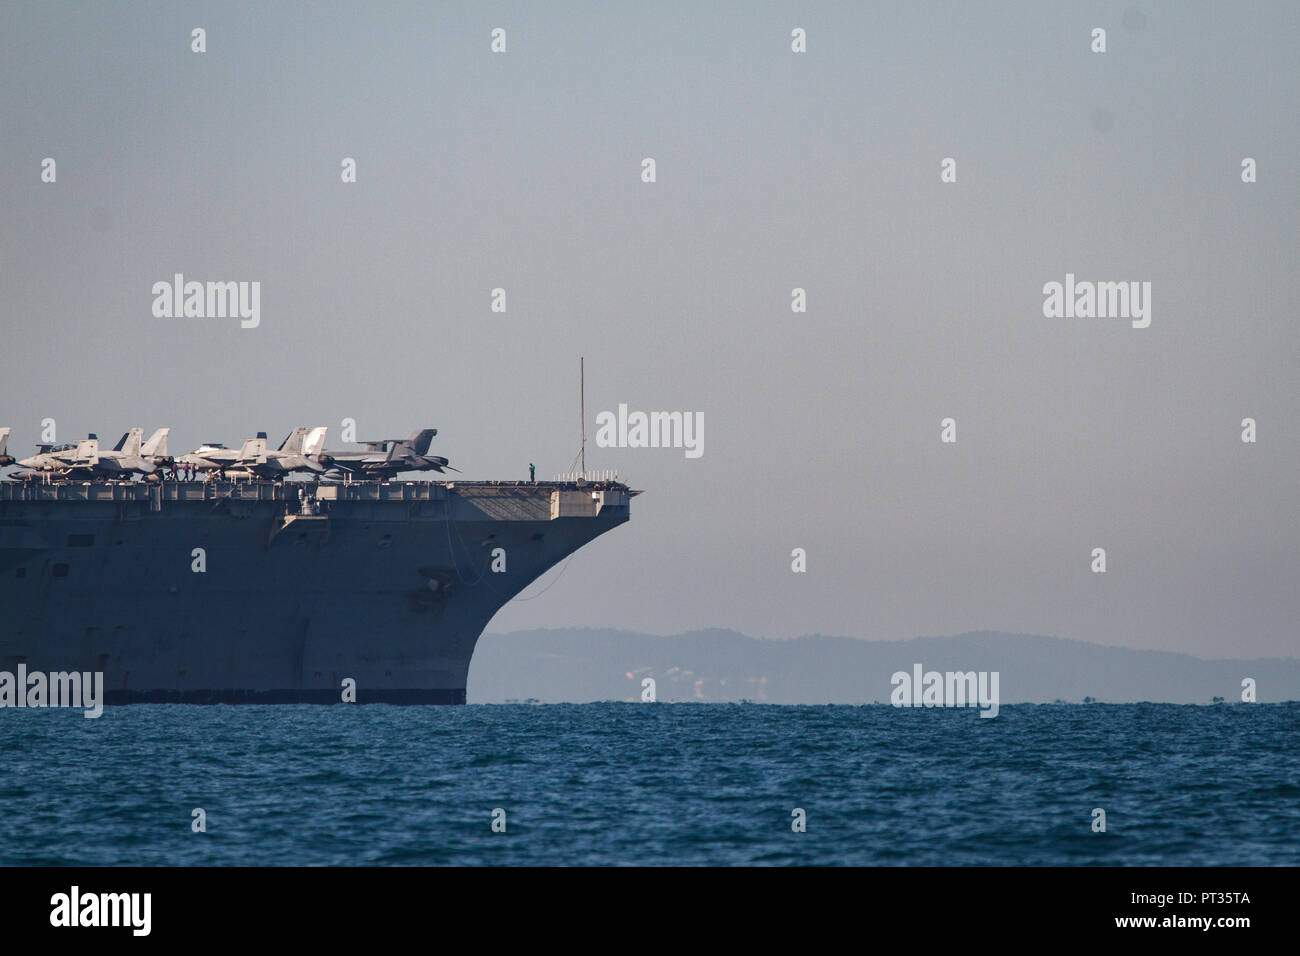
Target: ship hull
(236, 593)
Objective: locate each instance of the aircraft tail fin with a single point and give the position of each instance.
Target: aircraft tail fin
(4, 439)
(314, 443)
(253, 451)
(293, 444)
(421, 439)
(156, 446)
(130, 443)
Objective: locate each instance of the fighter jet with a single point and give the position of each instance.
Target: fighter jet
(299, 452)
(4, 440)
(85, 459)
(216, 457)
(50, 458)
(385, 458)
(56, 460)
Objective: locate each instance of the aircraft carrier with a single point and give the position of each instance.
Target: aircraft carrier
(277, 592)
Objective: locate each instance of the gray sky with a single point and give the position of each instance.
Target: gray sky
(775, 170)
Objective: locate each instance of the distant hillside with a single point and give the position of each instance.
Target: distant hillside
(715, 665)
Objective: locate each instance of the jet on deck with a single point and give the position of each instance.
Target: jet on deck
(386, 457)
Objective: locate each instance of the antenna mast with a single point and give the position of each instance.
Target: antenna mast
(582, 410)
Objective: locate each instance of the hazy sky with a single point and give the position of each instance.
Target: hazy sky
(775, 170)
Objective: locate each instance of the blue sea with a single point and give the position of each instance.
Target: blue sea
(652, 784)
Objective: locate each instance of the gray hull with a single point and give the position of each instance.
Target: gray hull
(390, 585)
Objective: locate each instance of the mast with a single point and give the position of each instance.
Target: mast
(582, 410)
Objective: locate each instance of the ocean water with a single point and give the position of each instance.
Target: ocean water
(628, 784)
